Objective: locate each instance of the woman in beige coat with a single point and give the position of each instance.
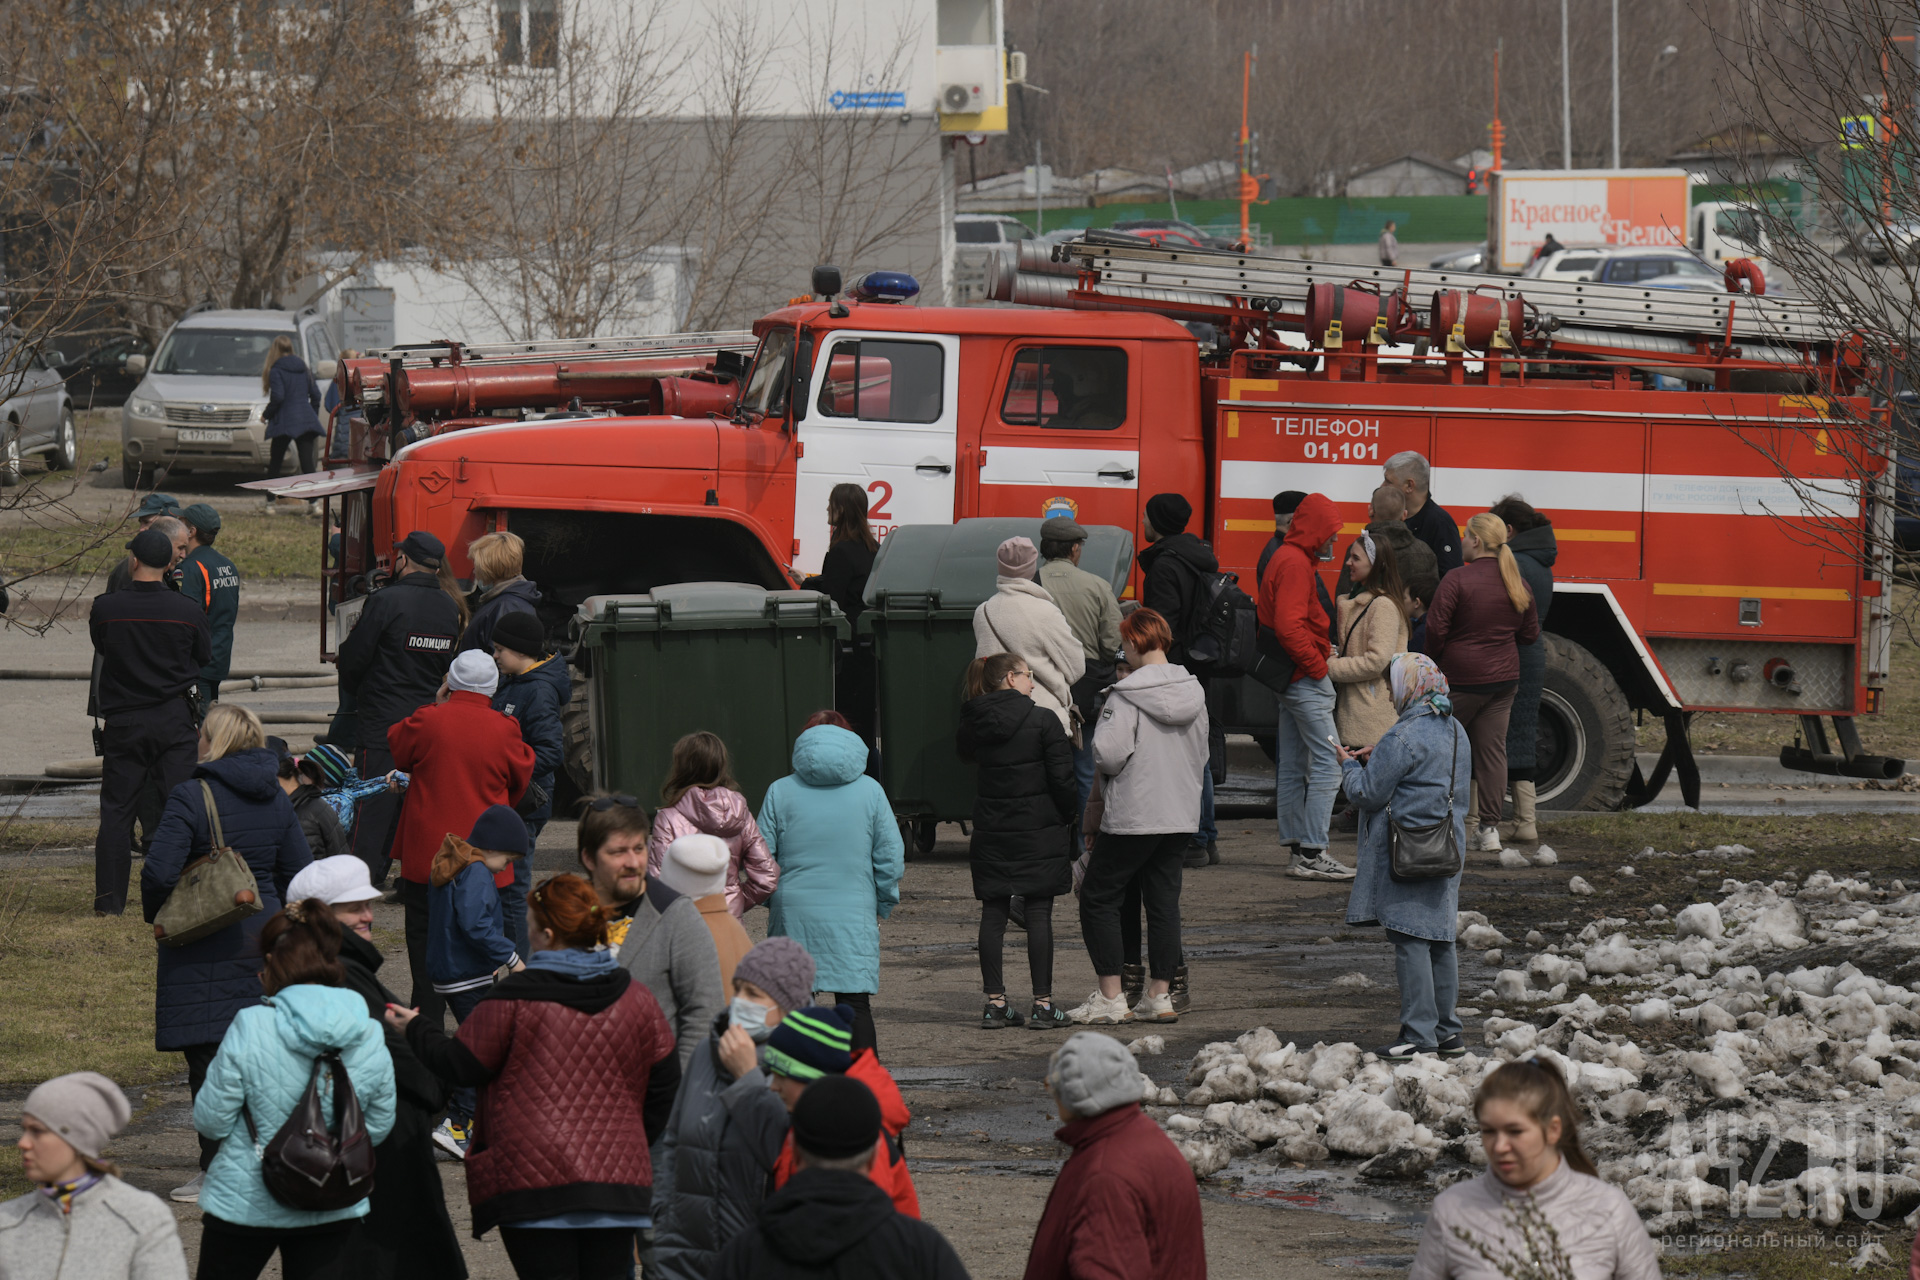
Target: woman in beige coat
(1021, 618)
(1372, 627)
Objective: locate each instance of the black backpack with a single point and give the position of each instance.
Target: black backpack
(307, 1165)
(1222, 626)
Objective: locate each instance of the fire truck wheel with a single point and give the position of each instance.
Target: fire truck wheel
(576, 729)
(1585, 752)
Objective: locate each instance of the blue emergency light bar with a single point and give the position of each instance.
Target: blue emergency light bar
(884, 286)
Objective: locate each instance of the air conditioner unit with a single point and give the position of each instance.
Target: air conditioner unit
(963, 99)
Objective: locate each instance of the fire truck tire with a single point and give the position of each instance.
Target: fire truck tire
(1585, 755)
(576, 732)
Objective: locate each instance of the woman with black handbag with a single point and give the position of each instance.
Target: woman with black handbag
(233, 800)
(307, 1048)
(1411, 791)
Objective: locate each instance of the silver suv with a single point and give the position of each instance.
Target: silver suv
(198, 406)
(36, 415)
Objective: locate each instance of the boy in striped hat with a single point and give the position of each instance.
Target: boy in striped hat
(815, 1042)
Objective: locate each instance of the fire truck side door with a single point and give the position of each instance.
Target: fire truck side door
(1062, 434)
(880, 414)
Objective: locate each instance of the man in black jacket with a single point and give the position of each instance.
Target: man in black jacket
(831, 1219)
(1409, 473)
(392, 662)
(1172, 567)
(151, 643)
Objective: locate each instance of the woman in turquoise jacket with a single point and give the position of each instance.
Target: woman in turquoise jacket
(263, 1067)
(832, 830)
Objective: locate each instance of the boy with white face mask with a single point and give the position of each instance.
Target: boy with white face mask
(711, 1165)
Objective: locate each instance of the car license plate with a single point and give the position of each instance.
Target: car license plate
(202, 435)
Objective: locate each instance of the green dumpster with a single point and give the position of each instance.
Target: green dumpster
(926, 583)
(746, 663)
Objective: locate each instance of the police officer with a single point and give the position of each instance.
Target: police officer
(392, 663)
(152, 643)
(209, 579)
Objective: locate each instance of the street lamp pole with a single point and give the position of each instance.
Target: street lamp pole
(1566, 95)
(1616, 84)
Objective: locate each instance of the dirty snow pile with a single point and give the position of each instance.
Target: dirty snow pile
(1715, 1078)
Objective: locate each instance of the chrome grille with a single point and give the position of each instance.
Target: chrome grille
(200, 415)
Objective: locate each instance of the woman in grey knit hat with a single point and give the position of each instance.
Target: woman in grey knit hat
(711, 1164)
(80, 1222)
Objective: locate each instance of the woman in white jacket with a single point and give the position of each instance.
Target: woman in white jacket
(1149, 747)
(1540, 1192)
(80, 1222)
(1021, 618)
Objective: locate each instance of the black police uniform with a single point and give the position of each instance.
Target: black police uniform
(152, 643)
(392, 663)
(210, 580)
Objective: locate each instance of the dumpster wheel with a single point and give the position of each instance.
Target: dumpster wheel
(925, 832)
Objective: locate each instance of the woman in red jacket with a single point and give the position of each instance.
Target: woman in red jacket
(576, 1071)
(1481, 615)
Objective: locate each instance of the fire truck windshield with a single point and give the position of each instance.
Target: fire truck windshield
(767, 384)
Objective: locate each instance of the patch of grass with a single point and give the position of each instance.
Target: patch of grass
(1893, 732)
(1883, 846)
(1865, 838)
(23, 835)
(1789, 1259)
(260, 546)
(79, 986)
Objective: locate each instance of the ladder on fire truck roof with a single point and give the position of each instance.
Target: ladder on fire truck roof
(1208, 280)
(426, 354)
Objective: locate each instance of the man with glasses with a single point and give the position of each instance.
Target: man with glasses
(659, 935)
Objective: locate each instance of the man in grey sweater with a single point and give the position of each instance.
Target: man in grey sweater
(658, 934)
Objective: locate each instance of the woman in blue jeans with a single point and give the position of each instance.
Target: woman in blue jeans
(1418, 772)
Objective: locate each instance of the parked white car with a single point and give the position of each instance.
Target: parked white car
(36, 416)
(198, 405)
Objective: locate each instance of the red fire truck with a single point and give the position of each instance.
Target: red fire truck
(1707, 460)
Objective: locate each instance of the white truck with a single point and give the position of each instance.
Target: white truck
(1615, 208)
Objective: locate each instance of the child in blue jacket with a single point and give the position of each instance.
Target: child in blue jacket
(468, 944)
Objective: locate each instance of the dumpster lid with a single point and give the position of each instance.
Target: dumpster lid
(687, 601)
(960, 560)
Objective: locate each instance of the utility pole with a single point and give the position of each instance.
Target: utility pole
(1616, 83)
(1566, 95)
(1498, 133)
(1039, 192)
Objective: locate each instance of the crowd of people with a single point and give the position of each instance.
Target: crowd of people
(629, 1079)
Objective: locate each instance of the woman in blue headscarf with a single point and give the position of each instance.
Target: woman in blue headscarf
(1418, 773)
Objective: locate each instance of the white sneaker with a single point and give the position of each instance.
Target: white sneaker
(1314, 864)
(190, 1193)
(1487, 840)
(1154, 1008)
(1102, 1011)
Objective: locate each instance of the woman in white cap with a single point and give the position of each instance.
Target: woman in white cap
(696, 867)
(80, 1222)
(407, 1231)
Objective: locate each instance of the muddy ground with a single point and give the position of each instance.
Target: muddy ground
(1264, 950)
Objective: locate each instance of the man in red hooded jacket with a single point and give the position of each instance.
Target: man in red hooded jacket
(1306, 768)
(464, 758)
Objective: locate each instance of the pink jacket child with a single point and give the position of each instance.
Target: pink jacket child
(752, 874)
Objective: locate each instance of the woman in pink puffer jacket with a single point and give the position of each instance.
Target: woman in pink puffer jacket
(701, 798)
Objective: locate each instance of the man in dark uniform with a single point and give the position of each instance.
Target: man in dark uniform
(1171, 569)
(392, 663)
(152, 643)
(210, 580)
